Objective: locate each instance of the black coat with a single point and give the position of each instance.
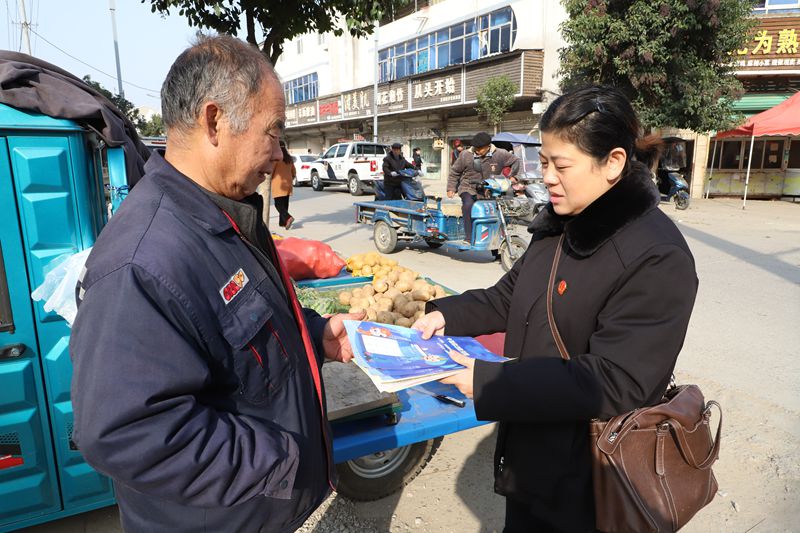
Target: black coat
(394, 164)
(630, 288)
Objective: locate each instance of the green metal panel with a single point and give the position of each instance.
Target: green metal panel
(751, 104)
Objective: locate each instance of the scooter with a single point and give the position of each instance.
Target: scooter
(416, 185)
(670, 174)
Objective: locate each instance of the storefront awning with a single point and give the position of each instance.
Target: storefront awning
(783, 119)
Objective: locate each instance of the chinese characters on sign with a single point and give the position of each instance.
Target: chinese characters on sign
(775, 44)
(330, 109)
(392, 97)
(435, 91)
(356, 103)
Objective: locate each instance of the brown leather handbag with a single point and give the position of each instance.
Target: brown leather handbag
(651, 467)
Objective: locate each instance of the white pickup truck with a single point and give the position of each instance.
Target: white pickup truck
(356, 164)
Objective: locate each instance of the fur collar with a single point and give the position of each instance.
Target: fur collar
(629, 199)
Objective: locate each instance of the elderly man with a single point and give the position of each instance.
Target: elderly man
(196, 380)
(473, 166)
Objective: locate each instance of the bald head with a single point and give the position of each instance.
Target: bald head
(220, 69)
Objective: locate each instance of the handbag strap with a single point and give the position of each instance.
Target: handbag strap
(686, 450)
(562, 349)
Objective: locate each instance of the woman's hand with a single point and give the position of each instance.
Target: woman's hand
(430, 324)
(464, 378)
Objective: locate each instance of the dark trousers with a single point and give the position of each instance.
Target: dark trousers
(520, 519)
(282, 205)
(467, 200)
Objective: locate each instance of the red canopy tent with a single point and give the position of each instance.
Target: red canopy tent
(783, 119)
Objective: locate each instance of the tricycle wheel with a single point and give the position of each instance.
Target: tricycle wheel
(518, 247)
(376, 476)
(354, 185)
(434, 244)
(316, 183)
(385, 237)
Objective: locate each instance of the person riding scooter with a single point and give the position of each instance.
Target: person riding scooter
(396, 181)
(472, 167)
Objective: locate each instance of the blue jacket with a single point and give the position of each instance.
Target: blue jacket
(191, 385)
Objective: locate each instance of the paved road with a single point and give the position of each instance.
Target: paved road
(742, 348)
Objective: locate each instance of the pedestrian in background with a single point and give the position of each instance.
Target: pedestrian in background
(417, 158)
(457, 149)
(283, 176)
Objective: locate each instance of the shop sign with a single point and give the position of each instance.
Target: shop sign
(357, 103)
(438, 143)
(435, 91)
(330, 109)
(305, 113)
(392, 97)
(774, 45)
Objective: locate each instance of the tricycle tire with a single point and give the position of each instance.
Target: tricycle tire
(385, 237)
(518, 245)
(316, 182)
(354, 185)
(376, 476)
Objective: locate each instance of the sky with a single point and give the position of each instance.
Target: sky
(148, 42)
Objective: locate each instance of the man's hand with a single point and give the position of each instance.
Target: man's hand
(334, 337)
(462, 380)
(430, 324)
(450, 194)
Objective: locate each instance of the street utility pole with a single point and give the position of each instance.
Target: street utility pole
(375, 89)
(26, 34)
(112, 7)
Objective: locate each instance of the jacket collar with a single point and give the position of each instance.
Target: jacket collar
(633, 196)
(186, 194)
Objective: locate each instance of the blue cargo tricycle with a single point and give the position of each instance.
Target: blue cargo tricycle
(441, 224)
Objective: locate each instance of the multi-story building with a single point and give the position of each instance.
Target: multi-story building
(432, 60)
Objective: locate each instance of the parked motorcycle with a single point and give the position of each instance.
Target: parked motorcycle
(671, 171)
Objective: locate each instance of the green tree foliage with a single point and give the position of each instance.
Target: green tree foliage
(279, 20)
(495, 98)
(153, 127)
(671, 57)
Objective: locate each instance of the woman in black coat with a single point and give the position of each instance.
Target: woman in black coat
(622, 298)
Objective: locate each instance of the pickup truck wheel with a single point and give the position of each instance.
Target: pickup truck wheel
(376, 476)
(316, 183)
(385, 237)
(354, 184)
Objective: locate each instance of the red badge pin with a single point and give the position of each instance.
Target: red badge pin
(562, 287)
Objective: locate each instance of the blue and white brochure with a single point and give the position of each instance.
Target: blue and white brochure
(396, 358)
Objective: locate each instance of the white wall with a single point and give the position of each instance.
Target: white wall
(345, 63)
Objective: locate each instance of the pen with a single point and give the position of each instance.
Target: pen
(444, 398)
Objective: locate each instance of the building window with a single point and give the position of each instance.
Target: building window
(301, 89)
(776, 6)
(466, 41)
(731, 155)
(794, 154)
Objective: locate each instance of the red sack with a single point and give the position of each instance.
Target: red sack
(306, 259)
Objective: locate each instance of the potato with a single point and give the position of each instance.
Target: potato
(358, 292)
(372, 301)
(439, 291)
(408, 276)
(403, 285)
(391, 292)
(393, 276)
(380, 285)
(421, 285)
(396, 316)
(421, 295)
(391, 262)
(368, 290)
(385, 304)
(345, 297)
(418, 315)
(409, 310)
(399, 301)
(385, 317)
(405, 322)
(356, 310)
(421, 305)
(366, 270)
(372, 314)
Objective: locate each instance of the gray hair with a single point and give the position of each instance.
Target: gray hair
(217, 68)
